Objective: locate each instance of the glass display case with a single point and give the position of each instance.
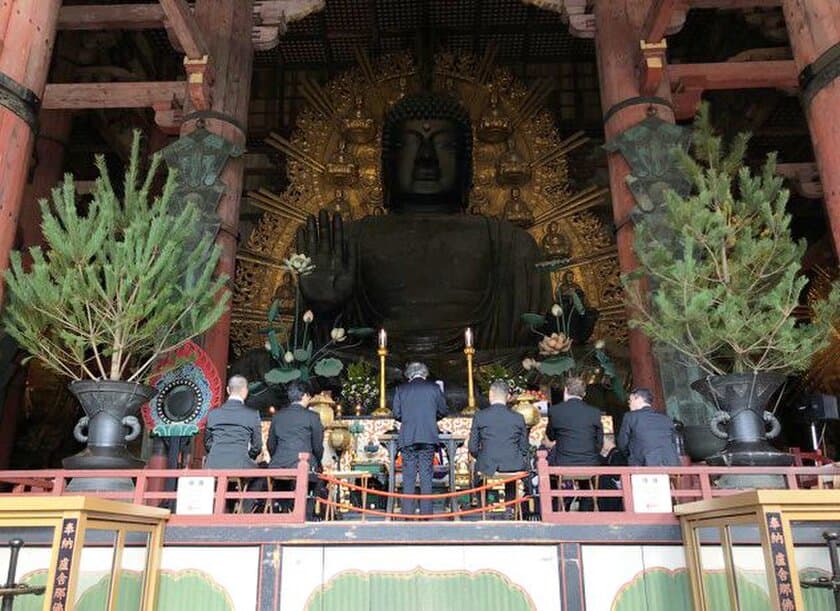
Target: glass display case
(776, 548)
(75, 553)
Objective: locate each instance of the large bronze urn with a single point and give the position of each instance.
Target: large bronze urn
(110, 422)
(745, 425)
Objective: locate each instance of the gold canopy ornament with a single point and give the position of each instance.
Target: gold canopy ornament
(334, 163)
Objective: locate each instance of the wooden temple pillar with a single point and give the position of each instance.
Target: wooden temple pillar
(27, 35)
(618, 35)
(814, 31)
(50, 147)
(226, 28)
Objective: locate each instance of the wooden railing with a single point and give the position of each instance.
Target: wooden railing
(231, 492)
(687, 484)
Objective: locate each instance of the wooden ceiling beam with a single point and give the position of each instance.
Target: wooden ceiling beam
(689, 81)
(116, 17)
(186, 30)
(658, 19)
(734, 4)
(778, 74)
(79, 96)
(267, 13)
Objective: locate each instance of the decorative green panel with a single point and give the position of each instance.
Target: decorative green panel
(816, 599)
(31, 602)
(419, 590)
(189, 589)
(660, 589)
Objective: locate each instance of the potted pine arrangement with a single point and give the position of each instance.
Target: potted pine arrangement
(115, 288)
(725, 280)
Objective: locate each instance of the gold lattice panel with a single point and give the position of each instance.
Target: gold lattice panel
(320, 143)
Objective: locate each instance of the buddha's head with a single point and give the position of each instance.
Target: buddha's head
(426, 155)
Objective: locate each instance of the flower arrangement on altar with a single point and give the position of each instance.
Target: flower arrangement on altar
(360, 389)
(487, 374)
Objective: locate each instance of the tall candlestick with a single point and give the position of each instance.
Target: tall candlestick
(383, 339)
(469, 351)
(382, 410)
(468, 338)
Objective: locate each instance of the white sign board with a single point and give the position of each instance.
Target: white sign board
(195, 496)
(651, 493)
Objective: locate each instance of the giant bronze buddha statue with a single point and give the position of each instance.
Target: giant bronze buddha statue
(426, 269)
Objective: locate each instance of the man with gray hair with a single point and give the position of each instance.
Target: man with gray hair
(418, 405)
(499, 438)
(233, 436)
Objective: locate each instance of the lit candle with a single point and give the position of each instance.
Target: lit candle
(468, 337)
(383, 338)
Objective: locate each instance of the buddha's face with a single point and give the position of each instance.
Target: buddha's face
(426, 158)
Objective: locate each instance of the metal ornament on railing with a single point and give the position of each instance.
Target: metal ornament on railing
(188, 388)
(832, 583)
(12, 589)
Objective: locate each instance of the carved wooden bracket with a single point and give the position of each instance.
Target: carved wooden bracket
(200, 77)
(271, 18)
(652, 66)
(169, 116)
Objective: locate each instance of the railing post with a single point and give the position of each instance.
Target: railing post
(705, 485)
(544, 481)
(58, 484)
(140, 488)
(301, 488)
(627, 492)
(221, 492)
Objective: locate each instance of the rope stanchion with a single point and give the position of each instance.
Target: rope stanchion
(435, 516)
(442, 495)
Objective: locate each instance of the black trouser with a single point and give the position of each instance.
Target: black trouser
(584, 503)
(316, 488)
(418, 459)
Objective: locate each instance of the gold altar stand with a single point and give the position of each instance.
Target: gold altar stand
(790, 526)
(334, 490)
(74, 527)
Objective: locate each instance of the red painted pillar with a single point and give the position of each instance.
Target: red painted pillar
(226, 25)
(50, 145)
(814, 28)
(27, 29)
(618, 25)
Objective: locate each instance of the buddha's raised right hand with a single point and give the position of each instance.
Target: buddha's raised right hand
(331, 283)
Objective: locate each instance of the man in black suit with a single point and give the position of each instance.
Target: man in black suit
(499, 438)
(233, 435)
(296, 429)
(576, 428)
(418, 405)
(647, 436)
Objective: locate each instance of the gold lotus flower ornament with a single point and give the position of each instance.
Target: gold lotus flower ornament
(554, 344)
